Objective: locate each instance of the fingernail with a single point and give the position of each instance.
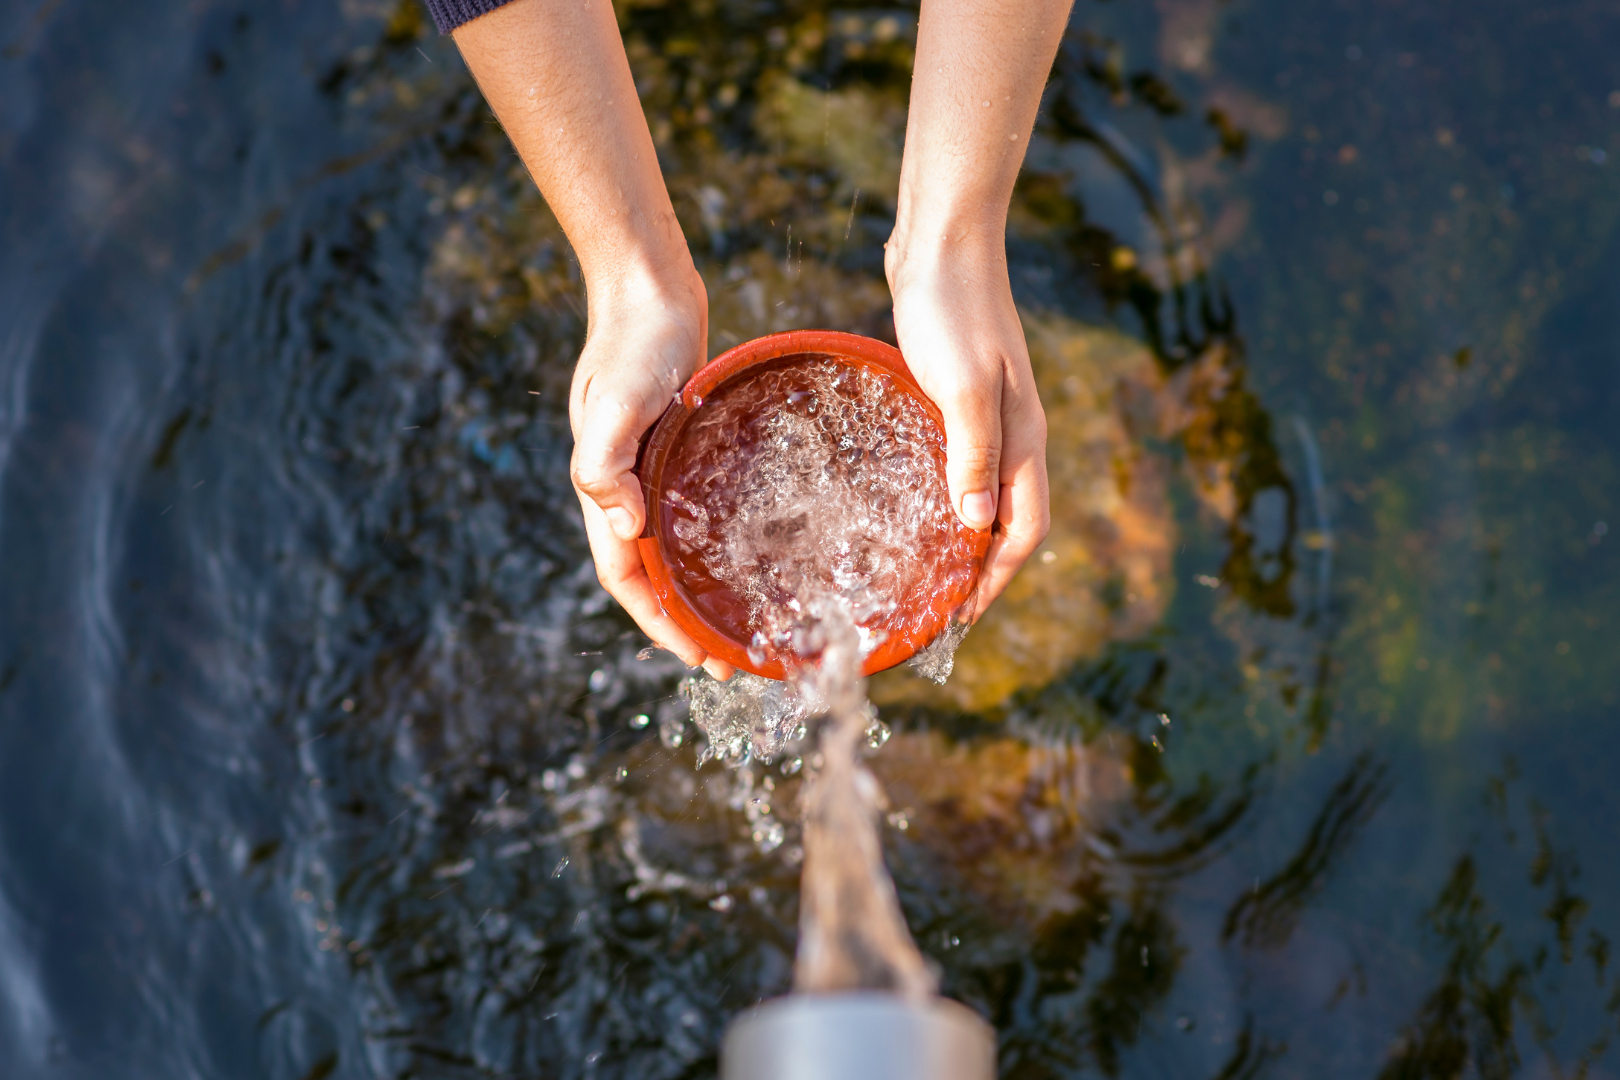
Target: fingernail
(979, 509)
(621, 522)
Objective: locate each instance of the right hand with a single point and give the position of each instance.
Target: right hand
(648, 334)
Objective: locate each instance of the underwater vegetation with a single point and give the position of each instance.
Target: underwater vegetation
(1285, 756)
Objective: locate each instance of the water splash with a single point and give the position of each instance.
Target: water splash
(936, 661)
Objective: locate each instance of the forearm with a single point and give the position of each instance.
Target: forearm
(556, 76)
(980, 68)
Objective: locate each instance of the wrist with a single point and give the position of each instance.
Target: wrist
(921, 255)
(646, 284)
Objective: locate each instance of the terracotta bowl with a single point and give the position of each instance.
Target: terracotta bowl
(713, 615)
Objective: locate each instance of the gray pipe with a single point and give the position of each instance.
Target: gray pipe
(858, 1036)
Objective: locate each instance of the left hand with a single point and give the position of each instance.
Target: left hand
(959, 332)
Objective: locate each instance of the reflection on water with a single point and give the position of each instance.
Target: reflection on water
(325, 756)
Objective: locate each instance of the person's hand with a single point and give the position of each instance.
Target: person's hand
(959, 332)
(646, 337)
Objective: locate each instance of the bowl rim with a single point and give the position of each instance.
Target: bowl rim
(728, 365)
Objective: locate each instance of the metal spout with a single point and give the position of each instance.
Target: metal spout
(858, 1036)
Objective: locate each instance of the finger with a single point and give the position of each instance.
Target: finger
(610, 421)
(972, 414)
(718, 668)
(1025, 509)
(619, 569)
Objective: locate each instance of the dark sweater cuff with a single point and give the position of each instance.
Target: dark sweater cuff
(449, 14)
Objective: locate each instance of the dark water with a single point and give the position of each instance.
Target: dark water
(317, 742)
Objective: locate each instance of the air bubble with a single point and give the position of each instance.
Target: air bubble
(768, 836)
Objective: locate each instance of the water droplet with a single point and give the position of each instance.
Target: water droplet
(621, 773)
(598, 679)
(768, 836)
(640, 720)
(647, 653)
(697, 401)
(562, 864)
(1164, 718)
(792, 765)
(723, 903)
(671, 731)
(877, 733)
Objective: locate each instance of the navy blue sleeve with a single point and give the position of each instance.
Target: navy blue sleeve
(449, 14)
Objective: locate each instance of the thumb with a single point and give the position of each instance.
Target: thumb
(609, 435)
(973, 452)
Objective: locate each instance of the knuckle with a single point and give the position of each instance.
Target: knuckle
(591, 480)
(955, 384)
(1027, 530)
(974, 457)
(1043, 528)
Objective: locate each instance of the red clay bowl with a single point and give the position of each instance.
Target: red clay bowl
(713, 615)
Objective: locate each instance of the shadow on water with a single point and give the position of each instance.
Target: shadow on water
(390, 793)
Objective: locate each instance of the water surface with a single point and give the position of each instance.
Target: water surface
(323, 755)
